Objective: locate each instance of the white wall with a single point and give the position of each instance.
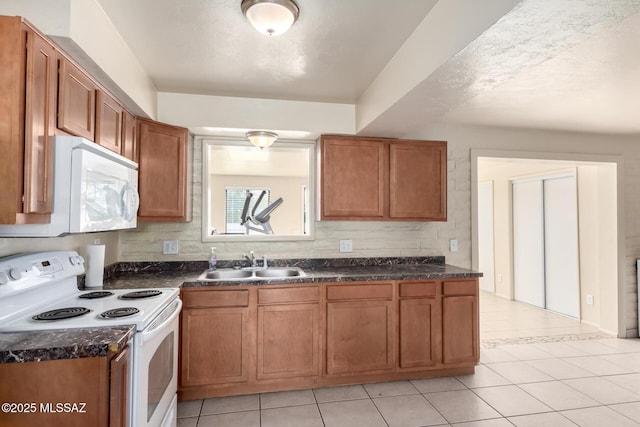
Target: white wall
(83, 24)
(310, 118)
(75, 242)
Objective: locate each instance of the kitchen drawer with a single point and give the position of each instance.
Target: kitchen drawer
(418, 289)
(460, 287)
(287, 295)
(216, 298)
(365, 291)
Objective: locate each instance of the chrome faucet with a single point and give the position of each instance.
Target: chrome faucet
(253, 262)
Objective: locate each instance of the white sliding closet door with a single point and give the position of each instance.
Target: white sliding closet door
(528, 242)
(485, 236)
(561, 246)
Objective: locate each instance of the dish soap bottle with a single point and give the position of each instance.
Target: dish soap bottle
(213, 260)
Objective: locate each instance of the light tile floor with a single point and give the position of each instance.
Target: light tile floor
(536, 369)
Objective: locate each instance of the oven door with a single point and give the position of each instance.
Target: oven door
(154, 379)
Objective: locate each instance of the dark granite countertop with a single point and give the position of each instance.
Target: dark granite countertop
(186, 274)
(352, 274)
(36, 346)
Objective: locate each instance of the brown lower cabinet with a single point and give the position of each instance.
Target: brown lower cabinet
(251, 339)
(79, 392)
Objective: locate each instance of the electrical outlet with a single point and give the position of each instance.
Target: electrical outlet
(170, 247)
(453, 245)
(589, 299)
(346, 246)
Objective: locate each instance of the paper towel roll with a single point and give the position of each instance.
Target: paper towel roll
(95, 266)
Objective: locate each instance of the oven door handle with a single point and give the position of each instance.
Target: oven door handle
(154, 330)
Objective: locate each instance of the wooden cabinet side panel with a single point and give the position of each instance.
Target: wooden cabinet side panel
(76, 101)
(118, 389)
(418, 180)
(129, 140)
(288, 341)
(359, 337)
(352, 178)
(108, 122)
(163, 157)
(460, 342)
(12, 88)
(215, 346)
(40, 110)
(71, 380)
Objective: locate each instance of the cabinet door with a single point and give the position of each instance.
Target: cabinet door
(163, 172)
(77, 101)
(215, 346)
(47, 383)
(108, 122)
(353, 175)
(418, 180)
(419, 333)
(129, 147)
(118, 389)
(288, 341)
(460, 327)
(40, 113)
(359, 337)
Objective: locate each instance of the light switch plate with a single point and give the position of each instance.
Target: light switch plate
(346, 246)
(170, 247)
(453, 245)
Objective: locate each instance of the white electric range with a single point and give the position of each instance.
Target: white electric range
(38, 291)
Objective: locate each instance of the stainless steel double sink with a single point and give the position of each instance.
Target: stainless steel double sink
(251, 273)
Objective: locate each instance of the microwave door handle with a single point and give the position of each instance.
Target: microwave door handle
(130, 202)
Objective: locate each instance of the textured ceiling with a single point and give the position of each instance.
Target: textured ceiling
(555, 64)
(331, 54)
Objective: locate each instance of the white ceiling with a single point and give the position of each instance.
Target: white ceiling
(556, 64)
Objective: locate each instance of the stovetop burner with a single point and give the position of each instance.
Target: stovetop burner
(147, 293)
(96, 295)
(61, 313)
(119, 312)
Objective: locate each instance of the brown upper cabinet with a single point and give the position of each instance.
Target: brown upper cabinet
(109, 114)
(163, 172)
(129, 147)
(27, 123)
(382, 179)
(353, 178)
(77, 101)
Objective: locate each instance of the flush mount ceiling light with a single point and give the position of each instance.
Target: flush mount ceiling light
(261, 138)
(271, 17)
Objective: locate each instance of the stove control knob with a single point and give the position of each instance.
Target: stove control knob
(4, 279)
(76, 260)
(15, 273)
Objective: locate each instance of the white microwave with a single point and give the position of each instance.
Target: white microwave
(94, 189)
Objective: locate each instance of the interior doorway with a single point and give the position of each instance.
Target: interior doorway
(545, 243)
(596, 253)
